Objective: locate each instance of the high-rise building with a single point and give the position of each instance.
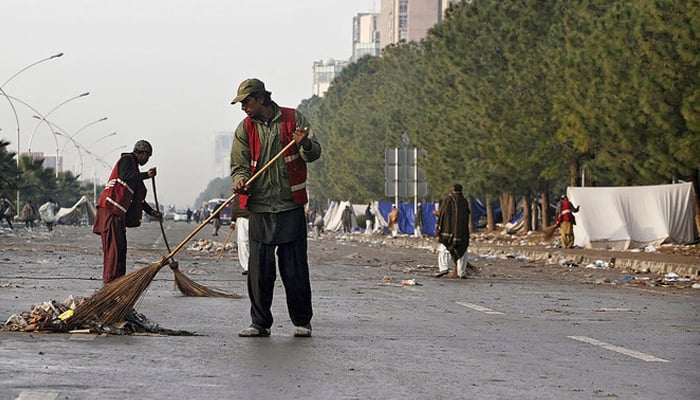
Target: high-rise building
(323, 73)
(365, 36)
(409, 20)
(222, 154)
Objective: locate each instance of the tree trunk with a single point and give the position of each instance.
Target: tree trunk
(545, 209)
(526, 214)
(490, 226)
(507, 207)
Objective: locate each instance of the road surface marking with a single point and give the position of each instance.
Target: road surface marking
(618, 349)
(479, 308)
(37, 396)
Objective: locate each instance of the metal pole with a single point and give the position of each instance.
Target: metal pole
(15, 112)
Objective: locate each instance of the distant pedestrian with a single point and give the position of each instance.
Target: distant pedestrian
(189, 215)
(7, 211)
(346, 218)
(453, 232)
(29, 214)
(216, 222)
(369, 219)
(318, 224)
(393, 221)
(565, 220)
(418, 221)
(47, 212)
(239, 222)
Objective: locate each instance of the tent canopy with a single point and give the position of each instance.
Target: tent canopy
(633, 216)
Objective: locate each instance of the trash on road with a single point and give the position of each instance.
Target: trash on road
(51, 316)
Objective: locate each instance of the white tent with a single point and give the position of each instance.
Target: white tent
(633, 217)
(334, 216)
(82, 212)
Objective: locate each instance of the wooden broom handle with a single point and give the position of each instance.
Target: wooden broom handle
(230, 199)
(160, 220)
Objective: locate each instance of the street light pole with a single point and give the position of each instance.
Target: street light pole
(29, 146)
(68, 138)
(14, 111)
(80, 130)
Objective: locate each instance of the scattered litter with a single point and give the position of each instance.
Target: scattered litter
(568, 263)
(673, 277)
(410, 282)
(50, 316)
(517, 257)
(696, 286)
(598, 264)
(650, 249)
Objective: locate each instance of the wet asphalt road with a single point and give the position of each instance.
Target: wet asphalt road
(483, 338)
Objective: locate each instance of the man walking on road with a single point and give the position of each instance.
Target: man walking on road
(121, 206)
(453, 232)
(275, 201)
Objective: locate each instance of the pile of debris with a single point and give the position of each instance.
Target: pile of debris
(208, 246)
(52, 316)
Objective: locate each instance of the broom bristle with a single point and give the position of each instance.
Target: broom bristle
(115, 300)
(549, 232)
(188, 287)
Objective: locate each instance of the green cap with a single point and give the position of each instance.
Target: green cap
(248, 87)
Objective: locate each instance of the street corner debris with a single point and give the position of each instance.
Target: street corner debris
(53, 316)
(568, 263)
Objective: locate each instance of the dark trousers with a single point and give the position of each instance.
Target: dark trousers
(113, 234)
(284, 235)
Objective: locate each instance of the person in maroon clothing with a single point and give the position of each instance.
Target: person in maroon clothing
(121, 205)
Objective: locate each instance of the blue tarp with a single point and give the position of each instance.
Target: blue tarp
(407, 217)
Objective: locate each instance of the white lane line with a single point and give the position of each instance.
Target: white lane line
(618, 349)
(37, 395)
(479, 308)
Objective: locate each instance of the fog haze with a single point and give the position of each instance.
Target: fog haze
(161, 70)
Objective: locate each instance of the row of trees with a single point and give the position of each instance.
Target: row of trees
(522, 98)
(37, 183)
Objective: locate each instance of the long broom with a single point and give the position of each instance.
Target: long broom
(187, 286)
(115, 300)
(549, 231)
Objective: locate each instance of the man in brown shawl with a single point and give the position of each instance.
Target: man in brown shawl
(453, 232)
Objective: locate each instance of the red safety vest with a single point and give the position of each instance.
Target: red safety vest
(296, 166)
(120, 198)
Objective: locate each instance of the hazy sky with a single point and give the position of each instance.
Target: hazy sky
(161, 70)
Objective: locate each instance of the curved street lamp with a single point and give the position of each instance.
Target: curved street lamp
(80, 130)
(29, 146)
(68, 139)
(14, 111)
(102, 138)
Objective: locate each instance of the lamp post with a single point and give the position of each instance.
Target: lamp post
(68, 139)
(14, 111)
(80, 130)
(103, 137)
(29, 146)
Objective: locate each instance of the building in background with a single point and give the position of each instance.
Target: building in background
(409, 20)
(365, 36)
(323, 74)
(49, 161)
(222, 154)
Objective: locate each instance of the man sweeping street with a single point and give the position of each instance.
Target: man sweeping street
(121, 206)
(275, 201)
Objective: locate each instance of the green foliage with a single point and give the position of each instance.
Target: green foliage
(518, 97)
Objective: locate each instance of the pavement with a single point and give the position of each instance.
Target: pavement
(517, 330)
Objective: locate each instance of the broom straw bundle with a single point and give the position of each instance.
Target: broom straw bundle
(187, 286)
(549, 231)
(115, 300)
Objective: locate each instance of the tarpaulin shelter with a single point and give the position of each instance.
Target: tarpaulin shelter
(407, 217)
(82, 212)
(633, 216)
(333, 219)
